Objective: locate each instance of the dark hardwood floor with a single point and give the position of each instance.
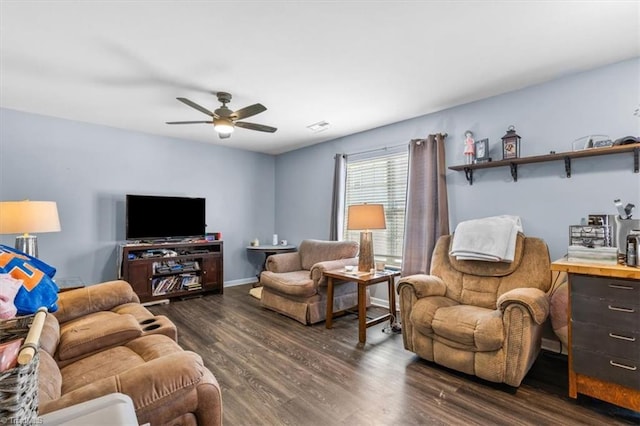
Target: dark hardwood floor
(274, 370)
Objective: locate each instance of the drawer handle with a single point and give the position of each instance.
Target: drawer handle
(621, 287)
(617, 336)
(615, 308)
(626, 367)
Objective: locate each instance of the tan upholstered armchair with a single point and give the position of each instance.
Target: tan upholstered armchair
(293, 283)
(480, 318)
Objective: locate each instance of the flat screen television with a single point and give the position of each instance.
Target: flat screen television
(153, 217)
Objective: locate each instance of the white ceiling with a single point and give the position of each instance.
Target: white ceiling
(355, 64)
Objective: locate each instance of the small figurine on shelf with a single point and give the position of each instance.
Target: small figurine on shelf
(469, 149)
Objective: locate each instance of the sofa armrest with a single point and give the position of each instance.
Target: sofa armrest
(423, 285)
(283, 262)
(330, 265)
(99, 297)
(158, 398)
(535, 300)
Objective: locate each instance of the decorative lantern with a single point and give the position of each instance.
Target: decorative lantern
(510, 144)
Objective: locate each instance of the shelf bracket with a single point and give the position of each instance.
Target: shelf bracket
(636, 153)
(567, 166)
(468, 173)
(514, 171)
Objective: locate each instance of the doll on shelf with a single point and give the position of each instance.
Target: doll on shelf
(469, 149)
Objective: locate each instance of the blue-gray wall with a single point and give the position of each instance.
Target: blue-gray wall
(88, 169)
(548, 117)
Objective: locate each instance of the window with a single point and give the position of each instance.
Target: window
(380, 180)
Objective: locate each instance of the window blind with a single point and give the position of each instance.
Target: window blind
(380, 180)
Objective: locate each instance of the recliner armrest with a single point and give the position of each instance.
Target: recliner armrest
(535, 300)
(94, 298)
(423, 285)
(330, 265)
(284, 262)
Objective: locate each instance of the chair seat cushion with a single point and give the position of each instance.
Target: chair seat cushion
(94, 332)
(463, 326)
(297, 283)
(476, 328)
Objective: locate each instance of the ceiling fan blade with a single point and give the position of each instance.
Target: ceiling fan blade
(189, 122)
(249, 111)
(224, 135)
(254, 126)
(196, 106)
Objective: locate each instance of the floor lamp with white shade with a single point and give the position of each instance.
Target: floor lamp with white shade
(23, 217)
(366, 217)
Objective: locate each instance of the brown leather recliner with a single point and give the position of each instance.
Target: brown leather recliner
(293, 283)
(103, 341)
(480, 318)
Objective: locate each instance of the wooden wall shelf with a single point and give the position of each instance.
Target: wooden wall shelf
(566, 156)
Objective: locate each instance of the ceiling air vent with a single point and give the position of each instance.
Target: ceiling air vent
(320, 126)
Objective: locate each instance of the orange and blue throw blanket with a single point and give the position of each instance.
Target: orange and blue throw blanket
(38, 288)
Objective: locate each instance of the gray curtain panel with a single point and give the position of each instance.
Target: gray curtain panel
(337, 203)
(427, 211)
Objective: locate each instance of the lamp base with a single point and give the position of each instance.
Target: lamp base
(365, 258)
(27, 244)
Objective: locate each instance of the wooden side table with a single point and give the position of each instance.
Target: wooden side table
(603, 316)
(363, 280)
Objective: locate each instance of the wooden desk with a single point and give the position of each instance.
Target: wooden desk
(363, 281)
(604, 340)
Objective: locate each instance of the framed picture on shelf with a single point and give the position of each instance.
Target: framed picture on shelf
(482, 150)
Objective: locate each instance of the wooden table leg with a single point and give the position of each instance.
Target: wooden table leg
(392, 302)
(362, 313)
(329, 319)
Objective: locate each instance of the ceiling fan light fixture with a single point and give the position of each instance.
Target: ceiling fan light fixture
(223, 126)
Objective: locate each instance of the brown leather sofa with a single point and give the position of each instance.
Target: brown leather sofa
(294, 285)
(102, 340)
(477, 317)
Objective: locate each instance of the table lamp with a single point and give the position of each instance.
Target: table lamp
(23, 217)
(365, 217)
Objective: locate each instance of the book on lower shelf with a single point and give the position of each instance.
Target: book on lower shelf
(180, 282)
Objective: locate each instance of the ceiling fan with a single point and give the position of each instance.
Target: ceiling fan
(224, 120)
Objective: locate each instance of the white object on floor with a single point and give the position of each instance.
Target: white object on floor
(256, 292)
(491, 239)
(108, 410)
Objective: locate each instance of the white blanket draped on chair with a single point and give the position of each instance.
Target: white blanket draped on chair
(491, 239)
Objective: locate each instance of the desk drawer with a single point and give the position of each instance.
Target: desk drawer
(618, 370)
(606, 340)
(615, 289)
(620, 315)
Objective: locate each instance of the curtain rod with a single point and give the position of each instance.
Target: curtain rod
(385, 148)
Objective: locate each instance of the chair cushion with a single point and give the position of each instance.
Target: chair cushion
(297, 283)
(476, 328)
(96, 331)
(49, 379)
(101, 365)
(314, 251)
(424, 311)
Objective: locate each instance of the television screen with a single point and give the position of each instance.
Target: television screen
(160, 217)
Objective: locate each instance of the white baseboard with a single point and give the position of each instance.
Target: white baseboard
(241, 281)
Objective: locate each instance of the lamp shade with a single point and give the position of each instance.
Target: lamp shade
(223, 125)
(366, 216)
(23, 217)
